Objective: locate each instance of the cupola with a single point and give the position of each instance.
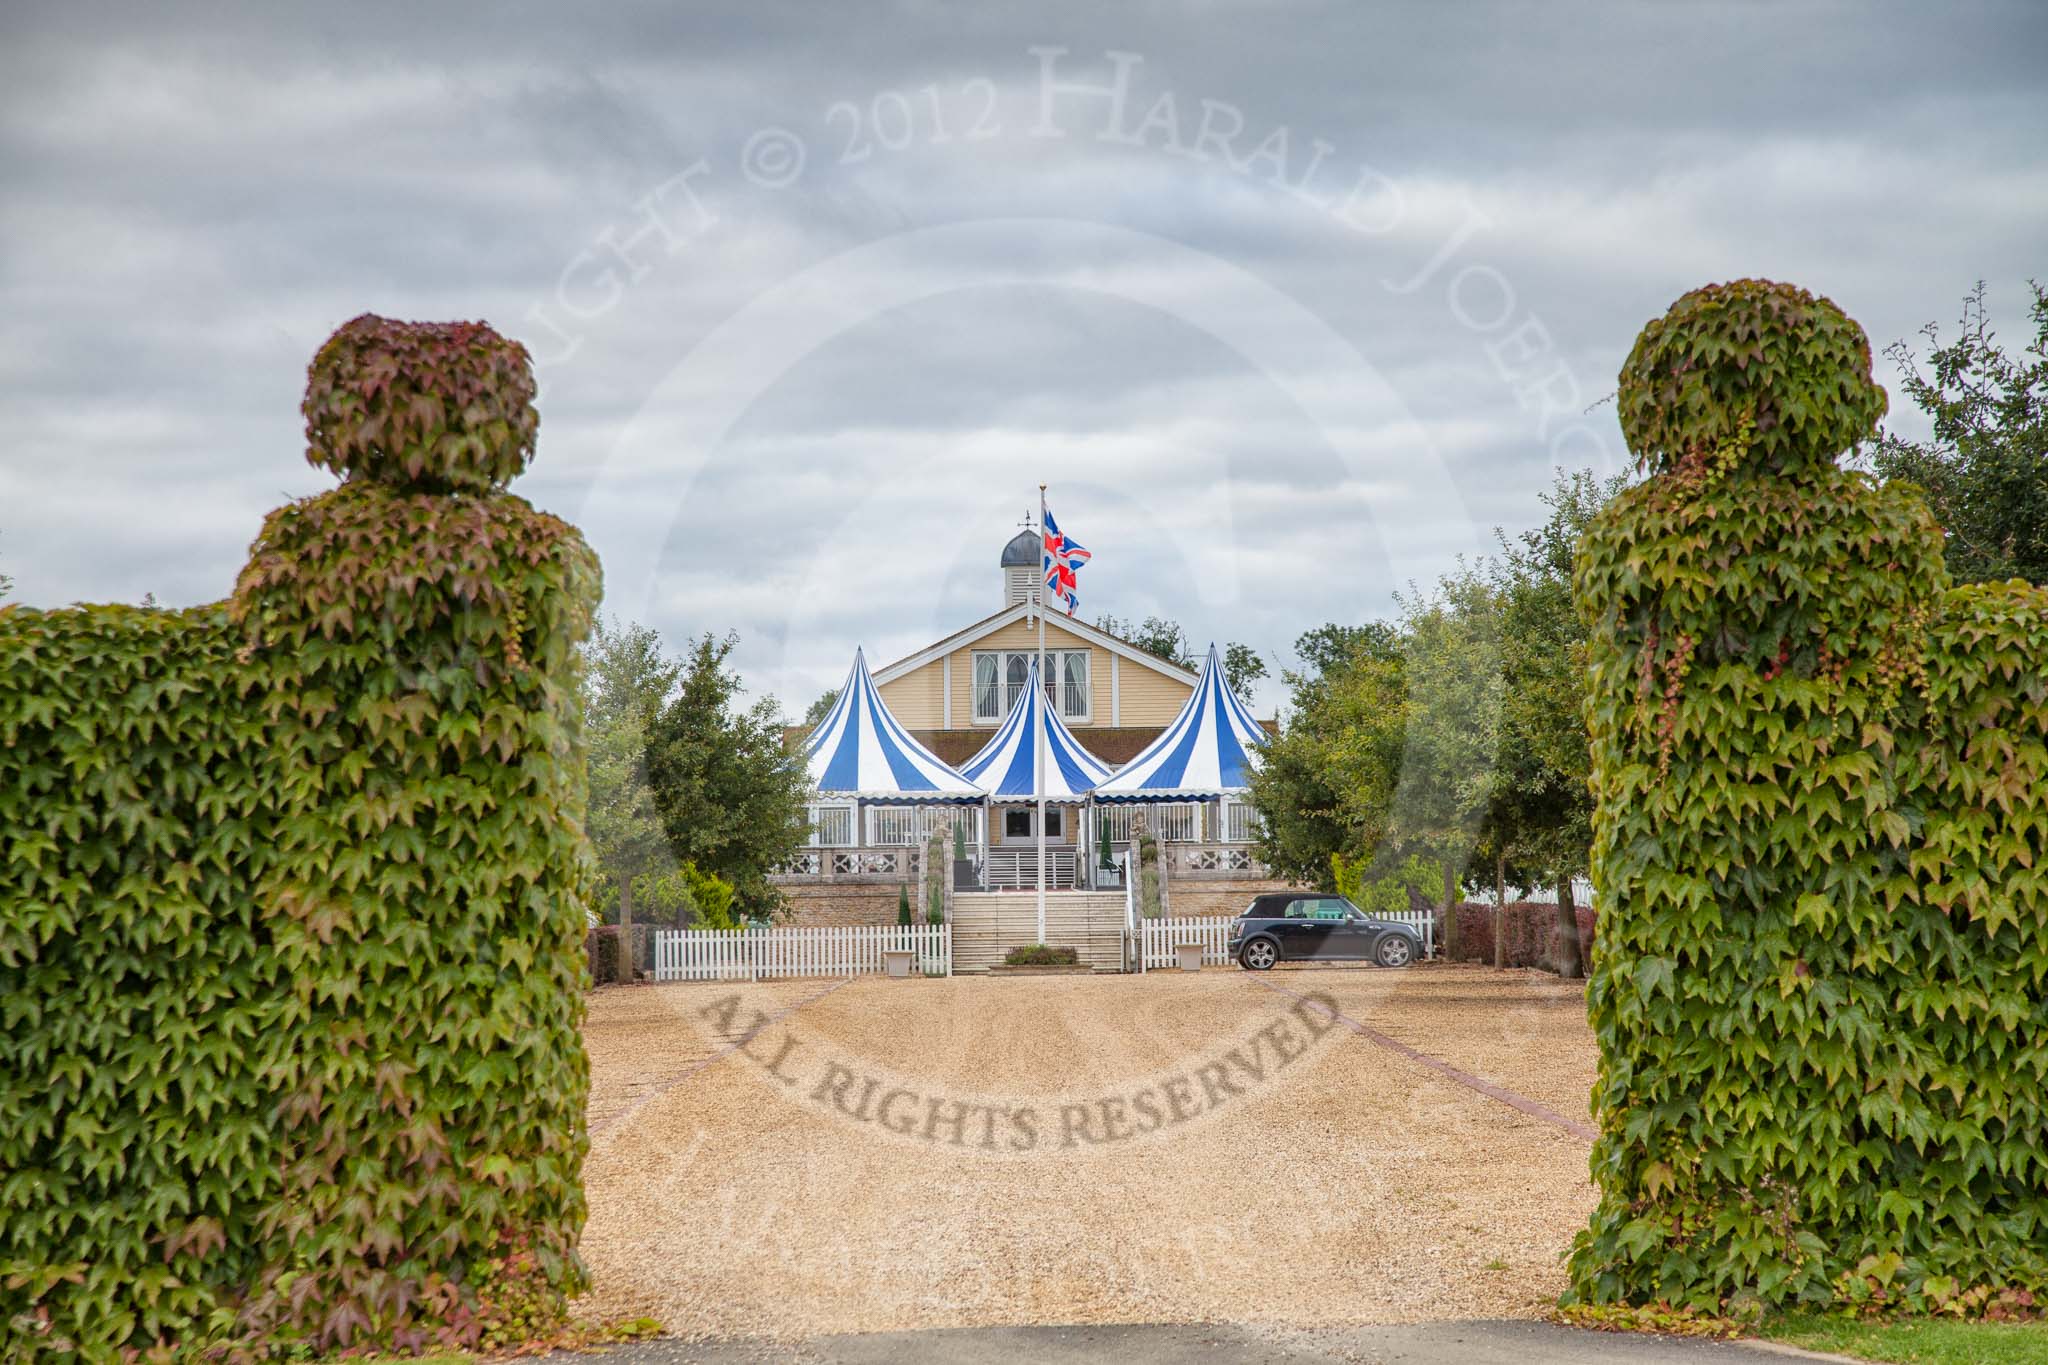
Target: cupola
(1021, 561)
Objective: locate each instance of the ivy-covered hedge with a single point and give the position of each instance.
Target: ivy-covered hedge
(1821, 979)
(291, 953)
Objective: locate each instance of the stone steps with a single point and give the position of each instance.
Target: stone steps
(987, 924)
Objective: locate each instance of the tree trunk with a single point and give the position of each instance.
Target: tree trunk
(1450, 913)
(1500, 912)
(1571, 954)
(626, 929)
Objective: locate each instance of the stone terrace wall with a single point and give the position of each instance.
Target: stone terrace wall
(1206, 897)
(827, 904)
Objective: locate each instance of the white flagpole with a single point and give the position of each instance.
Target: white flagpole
(1038, 734)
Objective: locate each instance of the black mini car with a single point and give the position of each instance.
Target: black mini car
(1310, 927)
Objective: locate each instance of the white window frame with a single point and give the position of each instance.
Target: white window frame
(1117, 820)
(818, 813)
(1056, 666)
(1240, 821)
(976, 684)
(1177, 822)
(1086, 712)
(1171, 822)
(893, 826)
(906, 826)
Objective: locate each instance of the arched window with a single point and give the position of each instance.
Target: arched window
(999, 680)
(987, 690)
(1074, 679)
(1019, 669)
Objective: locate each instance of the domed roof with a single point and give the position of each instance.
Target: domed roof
(1022, 551)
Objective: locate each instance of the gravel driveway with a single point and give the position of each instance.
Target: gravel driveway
(1435, 1343)
(794, 1159)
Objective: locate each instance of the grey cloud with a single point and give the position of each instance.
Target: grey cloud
(197, 195)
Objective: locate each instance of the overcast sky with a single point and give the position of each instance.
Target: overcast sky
(1290, 305)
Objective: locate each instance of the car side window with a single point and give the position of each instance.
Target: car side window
(1300, 909)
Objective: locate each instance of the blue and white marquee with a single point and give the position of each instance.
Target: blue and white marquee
(861, 751)
(1006, 767)
(1208, 751)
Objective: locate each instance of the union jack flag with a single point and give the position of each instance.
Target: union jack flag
(1062, 557)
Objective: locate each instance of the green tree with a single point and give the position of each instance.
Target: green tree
(1385, 764)
(1454, 690)
(903, 905)
(1330, 648)
(1155, 635)
(1242, 667)
(1387, 885)
(1539, 821)
(1985, 470)
(936, 870)
(1324, 783)
(731, 796)
(626, 679)
(1165, 639)
(819, 709)
(683, 895)
(1451, 736)
(711, 897)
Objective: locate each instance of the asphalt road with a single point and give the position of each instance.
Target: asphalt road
(1441, 1343)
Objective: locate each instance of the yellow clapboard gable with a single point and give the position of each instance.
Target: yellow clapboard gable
(1122, 690)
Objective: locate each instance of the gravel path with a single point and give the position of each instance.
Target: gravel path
(896, 1155)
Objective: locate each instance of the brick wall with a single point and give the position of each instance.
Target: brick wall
(821, 905)
(1206, 897)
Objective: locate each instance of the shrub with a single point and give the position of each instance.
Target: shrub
(936, 870)
(1822, 798)
(436, 406)
(291, 957)
(1038, 955)
(680, 895)
(602, 943)
(711, 897)
(1148, 876)
(1387, 886)
(1528, 929)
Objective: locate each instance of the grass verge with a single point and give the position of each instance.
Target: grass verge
(1916, 1341)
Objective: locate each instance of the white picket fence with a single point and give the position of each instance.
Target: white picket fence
(1159, 939)
(1422, 922)
(760, 954)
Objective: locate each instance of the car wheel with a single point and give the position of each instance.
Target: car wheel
(1394, 950)
(1259, 955)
